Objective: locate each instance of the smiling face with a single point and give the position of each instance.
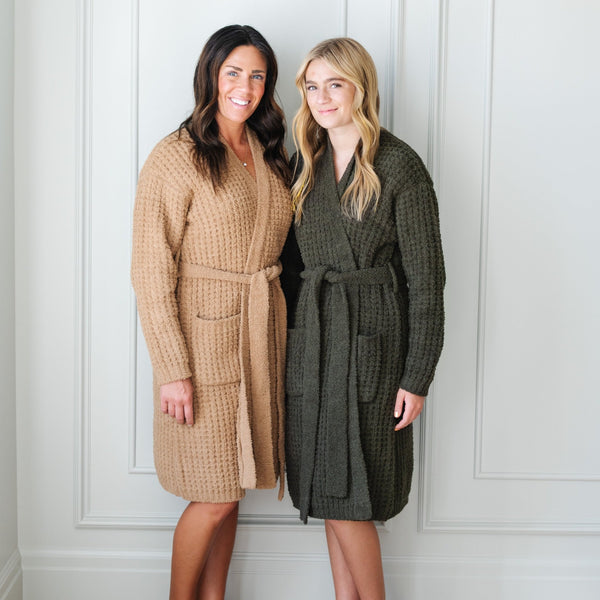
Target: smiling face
(242, 78)
(329, 96)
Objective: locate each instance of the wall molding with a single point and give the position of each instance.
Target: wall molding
(343, 18)
(394, 74)
(260, 563)
(82, 267)
(9, 574)
(534, 476)
(435, 145)
(437, 91)
(168, 521)
(483, 239)
(397, 68)
(506, 526)
(134, 468)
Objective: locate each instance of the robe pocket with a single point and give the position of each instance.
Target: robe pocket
(216, 350)
(369, 352)
(294, 370)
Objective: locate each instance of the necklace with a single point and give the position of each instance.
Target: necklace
(243, 157)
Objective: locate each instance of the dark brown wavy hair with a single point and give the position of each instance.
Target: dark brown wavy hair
(267, 121)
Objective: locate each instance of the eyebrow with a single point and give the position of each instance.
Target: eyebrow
(327, 80)
(240, 69)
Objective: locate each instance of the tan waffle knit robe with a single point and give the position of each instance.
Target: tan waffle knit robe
(205, 271)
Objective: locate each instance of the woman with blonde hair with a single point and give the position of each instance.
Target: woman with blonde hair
(367, 319)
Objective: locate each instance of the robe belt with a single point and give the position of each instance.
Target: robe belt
(342, 390)
(254, 364)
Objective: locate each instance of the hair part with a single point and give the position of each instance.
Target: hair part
(352, 62)
(267, 121)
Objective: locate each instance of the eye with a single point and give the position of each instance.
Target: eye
(311, 88)
(258, 77)
(231, 74)
(336, 85)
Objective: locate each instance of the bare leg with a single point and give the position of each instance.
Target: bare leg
(192, 542)
(342, 578)
(358, 543)
(214, 575)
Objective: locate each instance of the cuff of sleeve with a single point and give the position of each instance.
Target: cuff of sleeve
(172, 373)
(415, 385)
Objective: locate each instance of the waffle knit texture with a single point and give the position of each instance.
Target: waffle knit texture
(368, 320)
(204, 269)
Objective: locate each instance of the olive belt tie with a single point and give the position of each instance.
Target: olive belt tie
(343, 429)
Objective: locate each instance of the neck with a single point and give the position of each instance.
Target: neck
(233, 133)
(344, 140)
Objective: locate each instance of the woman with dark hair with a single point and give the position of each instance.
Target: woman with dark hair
(367, 328)
(211, 215)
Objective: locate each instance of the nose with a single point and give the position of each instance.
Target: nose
(322, 95)
(244, 83)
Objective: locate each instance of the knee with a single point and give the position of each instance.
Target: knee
(340, 528)
(223, 510)
(214, 513)
(335, 525)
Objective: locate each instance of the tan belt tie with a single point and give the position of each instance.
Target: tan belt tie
(254, 364)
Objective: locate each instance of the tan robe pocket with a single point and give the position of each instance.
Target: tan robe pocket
(216, 350)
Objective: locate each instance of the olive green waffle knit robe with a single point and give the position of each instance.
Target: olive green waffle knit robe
(368, 321)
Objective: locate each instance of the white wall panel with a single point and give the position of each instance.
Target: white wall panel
(137, 76)
(542, 275)
(530, 289)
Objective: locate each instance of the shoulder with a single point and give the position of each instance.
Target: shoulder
(171, 160)
(397, 161)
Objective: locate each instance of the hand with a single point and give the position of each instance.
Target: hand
(412, 405)
(176, 400)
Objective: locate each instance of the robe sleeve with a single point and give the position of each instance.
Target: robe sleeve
(418, 231)
(158, 225)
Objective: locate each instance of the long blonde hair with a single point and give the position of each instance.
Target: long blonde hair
(351, 61)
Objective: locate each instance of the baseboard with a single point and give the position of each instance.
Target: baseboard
(10, 575)
(265, 576)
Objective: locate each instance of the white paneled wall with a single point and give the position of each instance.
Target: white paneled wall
(499, 98)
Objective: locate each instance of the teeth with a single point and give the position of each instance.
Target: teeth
(240, 102)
